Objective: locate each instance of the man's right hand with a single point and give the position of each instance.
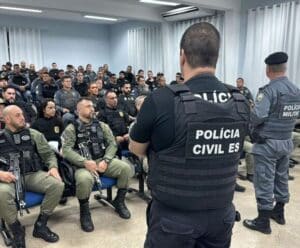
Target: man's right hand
(119, 139)
(91, 166)
(7, 177)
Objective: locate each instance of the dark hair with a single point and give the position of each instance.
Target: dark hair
(83, 99)
(240, 78)
(108, 92)
(8, 87)
(140, 70)
(65, 77)
(44, 105)
(201, 43)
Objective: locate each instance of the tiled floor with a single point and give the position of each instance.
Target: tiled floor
(114, 232)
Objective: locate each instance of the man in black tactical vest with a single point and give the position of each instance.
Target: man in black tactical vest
(193, 145)
(34, 152)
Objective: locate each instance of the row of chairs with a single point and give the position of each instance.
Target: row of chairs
(33, 199)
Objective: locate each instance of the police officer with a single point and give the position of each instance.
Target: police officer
(117, 119)
(34, 152)
(193, 135)
(126, 101)
(243, 89)
(276, 108)
(102, 149)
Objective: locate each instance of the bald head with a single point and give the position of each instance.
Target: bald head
(14, 118)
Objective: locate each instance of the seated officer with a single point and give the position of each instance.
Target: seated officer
(99, 140)
(34, 152)
(126, 100)
(117, 119)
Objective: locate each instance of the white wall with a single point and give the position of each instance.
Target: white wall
(66, 42)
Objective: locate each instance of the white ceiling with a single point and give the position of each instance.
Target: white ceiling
(125, 10)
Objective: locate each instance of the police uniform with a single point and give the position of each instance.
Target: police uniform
(35, 154)
(127, 104)
(101, 146)
(276, 108)
(195, 143)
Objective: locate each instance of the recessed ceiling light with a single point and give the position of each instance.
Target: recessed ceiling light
(21, 9)
(102, 18)
(160, 2)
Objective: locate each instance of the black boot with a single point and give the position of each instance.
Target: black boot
(119, 204)
(250, 177)
(239, 188)
(261, 223)
(278, 213)
(42, 231)
(85, 216)
(18, 232)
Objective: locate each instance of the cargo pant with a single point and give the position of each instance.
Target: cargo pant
(271, 172)
(38, 182)
(116, 169)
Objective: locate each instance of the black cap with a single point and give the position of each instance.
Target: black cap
(276, 58)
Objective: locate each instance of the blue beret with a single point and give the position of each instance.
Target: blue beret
(276, 58)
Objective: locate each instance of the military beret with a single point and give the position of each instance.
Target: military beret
(276, 58)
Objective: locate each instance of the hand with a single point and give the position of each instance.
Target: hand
(119, 139)
(65, 110)
(91, 166)
(54, 173)
(102, 166)
(126, 137)
(7, 177)
(22, 88)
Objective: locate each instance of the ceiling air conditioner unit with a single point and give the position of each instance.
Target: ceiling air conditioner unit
(185, 13)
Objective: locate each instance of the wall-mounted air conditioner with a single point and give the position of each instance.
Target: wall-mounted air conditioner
(185, 13)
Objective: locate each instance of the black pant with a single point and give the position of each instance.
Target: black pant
(174, 228)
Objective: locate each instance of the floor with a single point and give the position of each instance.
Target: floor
(114, 232)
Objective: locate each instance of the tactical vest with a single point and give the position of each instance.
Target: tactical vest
(116, 121)
(92, 136)
(48, 91)
(198, 171)
(30, 161)
(281, 121)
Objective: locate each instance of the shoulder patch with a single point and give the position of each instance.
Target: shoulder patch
(259, 96)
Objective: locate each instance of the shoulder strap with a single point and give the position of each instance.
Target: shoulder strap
(186, 96)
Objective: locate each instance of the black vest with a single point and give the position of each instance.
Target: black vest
(48, 90)
(116, 120)
(30, 161)
(198, 171)
(91, 135)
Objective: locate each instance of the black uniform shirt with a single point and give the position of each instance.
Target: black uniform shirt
(155, 122)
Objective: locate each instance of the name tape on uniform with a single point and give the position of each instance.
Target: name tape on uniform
(208, 140)
(290, 111)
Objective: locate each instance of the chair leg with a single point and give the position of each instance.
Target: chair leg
(7, 238)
